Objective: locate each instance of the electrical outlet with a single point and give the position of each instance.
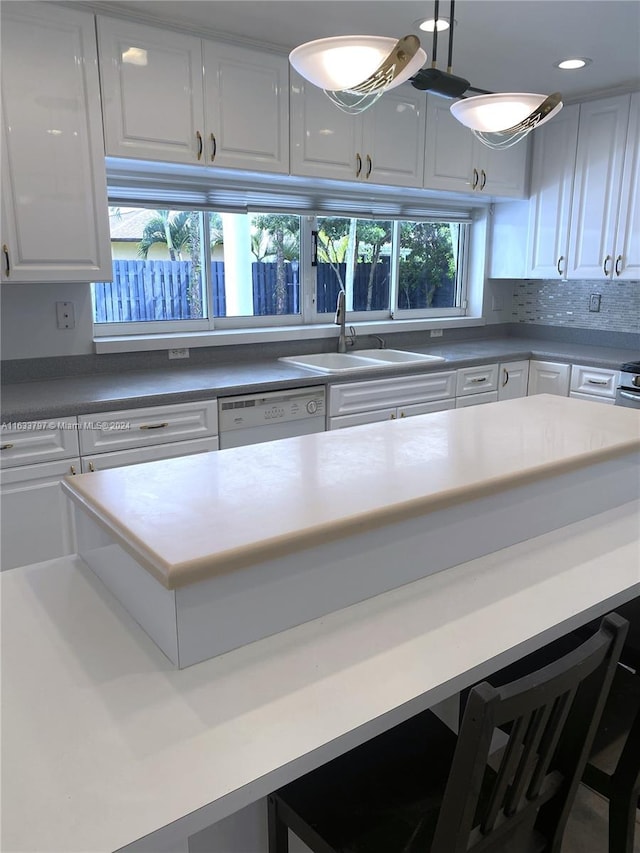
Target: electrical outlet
(180, 352)
(594, 302)
(65, 315)
(436, 333)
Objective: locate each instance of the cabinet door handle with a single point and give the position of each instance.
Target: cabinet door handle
(214, 148)
(604, 265)
(199, 138)
(154, 426)
(6, 446)
(484, 179)
(72, 470)
(560, 260)
(475, 179)
(597, 382)
(478, 379)
(506, 376)
(369, 166)
(392, 418)
(91, 468)
(403, 415)
(7, 262)
(618, 264)
(358, 165)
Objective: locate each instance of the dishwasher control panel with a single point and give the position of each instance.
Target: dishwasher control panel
(254, 410)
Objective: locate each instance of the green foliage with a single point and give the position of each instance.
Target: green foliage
(427, 259)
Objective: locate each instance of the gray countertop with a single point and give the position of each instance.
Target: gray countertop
(79, 395)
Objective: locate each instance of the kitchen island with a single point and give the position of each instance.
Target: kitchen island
(107, 744)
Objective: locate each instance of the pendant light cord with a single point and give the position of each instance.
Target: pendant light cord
(434, 51)
(450, 58)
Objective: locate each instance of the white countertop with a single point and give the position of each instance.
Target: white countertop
(190, 518)
(104, 741)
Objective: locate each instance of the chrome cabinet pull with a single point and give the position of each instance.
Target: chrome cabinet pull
(475, 179)
(199, 138)
(597, 382)
(484, 179)
(7, 262)
(478, 379)
(214, 148)
(72, 470)
(560, 260)
(604, 265)
(392, 418)
(154, 426)
(618, 264)
(506, 376)
(91, 468)
(369, 166)
(6, 446)
(358, 165)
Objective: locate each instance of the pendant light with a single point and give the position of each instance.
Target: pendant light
(354, 71)
(498, 120)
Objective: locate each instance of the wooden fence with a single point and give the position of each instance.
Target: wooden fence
(161, 290)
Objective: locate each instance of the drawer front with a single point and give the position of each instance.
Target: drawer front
(597, 381)
(426, 408)
(30, 442)
(355, 397)
(131, 428)
(477, 399)
(477, 380)
(610, 401)
(360, 418)
(120, 458)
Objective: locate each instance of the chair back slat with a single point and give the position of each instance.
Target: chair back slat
(528, 759)
(552, 734)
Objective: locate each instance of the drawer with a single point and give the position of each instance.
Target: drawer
(477, 399)
(30, 442)
(120, 458)
(360, 418)
(355, 397)
(597, 381)
(593, 397)
(131, 428)
(476, 380)
(426, 408)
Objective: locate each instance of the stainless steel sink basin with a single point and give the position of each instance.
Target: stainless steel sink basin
(374, 359)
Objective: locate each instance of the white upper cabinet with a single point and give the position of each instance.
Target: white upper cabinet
(553, 165)
(176, 98)
(54, 195)
(246, 108)
(602, 140)
(627, 242)
(455, 160)
(152, 96)
(383, 145)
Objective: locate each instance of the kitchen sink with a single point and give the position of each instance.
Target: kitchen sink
(374, 359)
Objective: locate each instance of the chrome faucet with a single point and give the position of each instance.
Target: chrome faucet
(339, 320)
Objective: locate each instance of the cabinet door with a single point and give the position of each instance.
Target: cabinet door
(503, 173)
(513, 380)
(546, 377)
(596, 194)
(554, 155)
(393, 143)
(627, 246)
(325, 142)
(54, 195)
(36, 521)
(449, 150)
(152, 94)
(246, 108)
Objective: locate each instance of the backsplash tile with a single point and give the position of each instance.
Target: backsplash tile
(566, 303)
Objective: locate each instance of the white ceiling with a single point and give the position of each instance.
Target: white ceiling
(499, 45)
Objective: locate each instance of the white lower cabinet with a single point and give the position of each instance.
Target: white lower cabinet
(355, 403)
(594, 383)
(476, 380)
(513, 380)
(476, 399)
(547, 377)
(35, 521)
(120, 458)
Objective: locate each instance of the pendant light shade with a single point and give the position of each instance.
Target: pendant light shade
(503, 119)
(355, 70)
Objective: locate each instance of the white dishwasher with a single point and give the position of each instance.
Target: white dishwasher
(252, 418)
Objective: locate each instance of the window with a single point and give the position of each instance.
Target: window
(198, 269)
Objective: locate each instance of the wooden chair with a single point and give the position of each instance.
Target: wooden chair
(420, 788)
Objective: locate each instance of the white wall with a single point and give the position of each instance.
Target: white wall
(29, 327)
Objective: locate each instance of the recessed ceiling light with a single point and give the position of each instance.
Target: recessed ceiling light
(428, 25)
(572, 64)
